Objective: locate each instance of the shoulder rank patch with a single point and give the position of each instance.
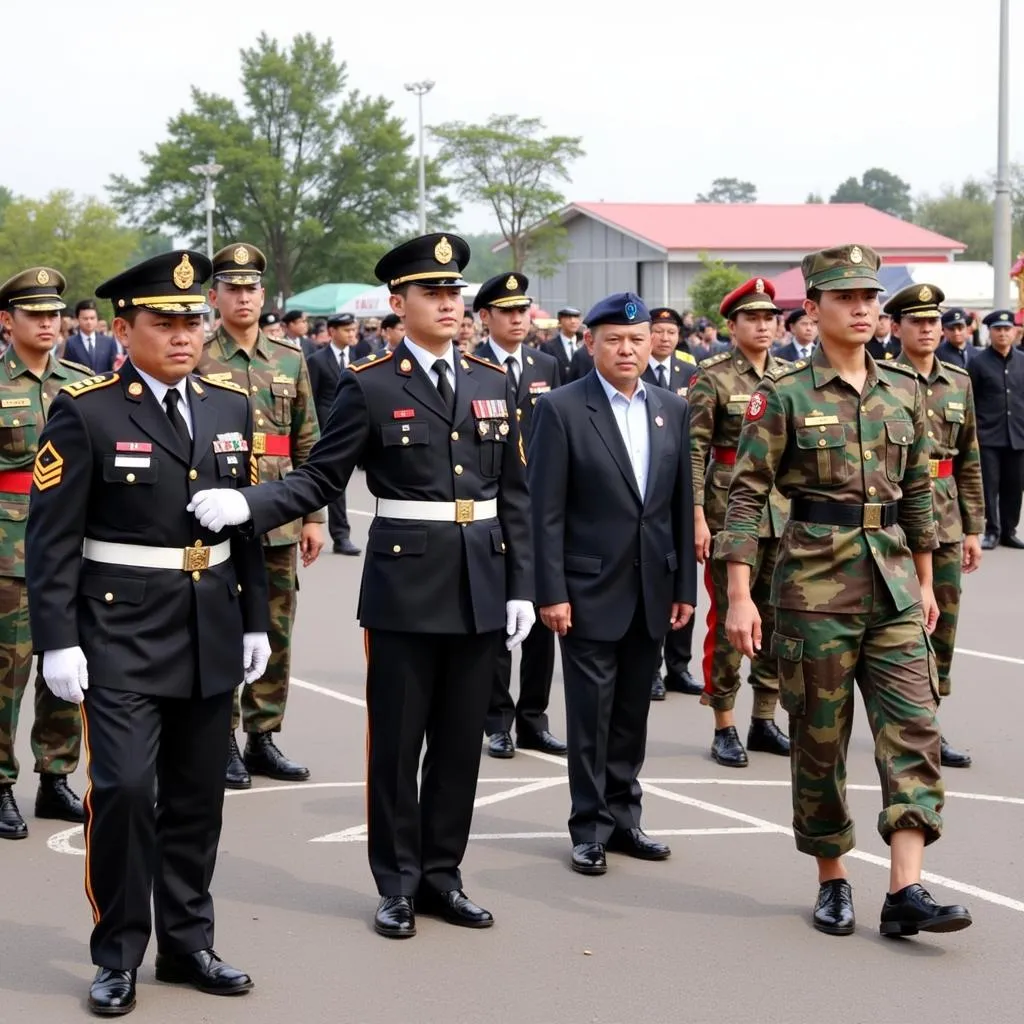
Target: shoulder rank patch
(953, 367)
(715, 360)
(225, 375)
(48, 469)
(784, 369)
(81, 387)
(907, 371)
(228, 385)
(87, 370)
(285, 343)
(685, 356)
(485, 362)
(371, 360)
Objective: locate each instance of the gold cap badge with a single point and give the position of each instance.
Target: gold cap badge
(241, 255)
(512, 284)
(42, 277)
(443, 251)
(183, 275)
(856, 256)
(925, 294)
(758, 287)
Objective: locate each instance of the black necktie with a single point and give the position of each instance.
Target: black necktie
(513, 372)
(444, 386)
(662, 379)
(171, 400)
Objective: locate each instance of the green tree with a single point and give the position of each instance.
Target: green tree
(814, 197)
(878, 188)
(510, 166)
(6, 198)
(482, 262)
(729, 190)
(318, 176)
(712, 285)
(963, 213)
(79, 237)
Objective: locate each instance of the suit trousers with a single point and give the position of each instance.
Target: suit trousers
(432, 686)
(607, 700)
(138, 849)
(536, 668)
(1002, 478)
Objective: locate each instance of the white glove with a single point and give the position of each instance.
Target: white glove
(255, 655)
(519, 620)
(66, 674)
(220, 507)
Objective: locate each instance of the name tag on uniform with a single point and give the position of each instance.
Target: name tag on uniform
(955, 405)
(218, 376)
(133, 446)
(739, 398)
(490, 408)
(820, 421)
(132, 461)
(403, 414)
(282, 378)
(15, 403)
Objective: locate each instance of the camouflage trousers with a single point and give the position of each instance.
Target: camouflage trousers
(57, 726)
(721, 660)
(887, 652)
(261, 705)
(946, 576)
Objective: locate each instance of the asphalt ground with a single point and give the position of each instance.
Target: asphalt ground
(720, 932)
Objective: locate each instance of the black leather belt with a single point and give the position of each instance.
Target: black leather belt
(839, 513)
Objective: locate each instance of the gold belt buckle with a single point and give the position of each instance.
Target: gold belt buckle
(873, 517)
(259, 443)
(933, 468)
(464, 510)
(196, 559)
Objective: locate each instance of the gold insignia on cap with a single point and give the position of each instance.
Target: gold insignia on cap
(405, 366)
(925, 294)
(241, 255)
(856, 256)
(759, 286)
(443, 251)
(512, 284)
(135, 388)
(42, 277)
(183, 275)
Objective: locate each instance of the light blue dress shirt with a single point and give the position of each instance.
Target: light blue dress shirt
(631, 419)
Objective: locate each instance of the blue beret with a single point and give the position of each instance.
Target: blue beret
(620, 308)
(954, 316)
(999, 318)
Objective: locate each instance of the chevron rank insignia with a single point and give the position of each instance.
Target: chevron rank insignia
(48, 468)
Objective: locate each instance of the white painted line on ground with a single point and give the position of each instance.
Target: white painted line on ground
(482, 836)
(989, 657)
(326, 692)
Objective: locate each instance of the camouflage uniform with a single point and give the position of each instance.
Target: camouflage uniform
(277, 381)
(958, 501)
(57, 727)
(719, 393)
(847, 598)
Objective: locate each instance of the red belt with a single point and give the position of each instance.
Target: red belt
(726, 456)
(16, 481)
(271, 444)
(940, 468)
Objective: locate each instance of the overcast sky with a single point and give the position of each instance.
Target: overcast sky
(667, 94)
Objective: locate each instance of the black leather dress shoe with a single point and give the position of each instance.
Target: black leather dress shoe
(658, 688)
(236, 776)
(395, 918)
(1011, 540)
(112, 993)
(454, 906)
(833, 911)
(589, 859)
(542, 740)
(953, 758)
(989, 541)
(683, 683)
(56, 799)
(203, 970)
(912, 910)
(12, 824)
(500, 745)
(636, 843)
(346, 547)
(765, 736)
(727, 750)
(263, 758)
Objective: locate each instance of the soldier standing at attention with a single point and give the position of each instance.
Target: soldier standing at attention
(30, 305)
(954, 467)
(718, 397)
(274, 376)
(844, 438)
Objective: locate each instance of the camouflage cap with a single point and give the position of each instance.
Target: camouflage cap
(843, 268)
(917, 301)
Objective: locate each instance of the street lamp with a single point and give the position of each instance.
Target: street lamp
(1001, 224)
(421, 89)
(209, 171)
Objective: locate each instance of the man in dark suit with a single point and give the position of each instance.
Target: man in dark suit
(326, 366)
(612, 505)
(997, 376)
(805, 335)
(449, 565)
(564, 344)
(504, 309)
(671, 367)
(580, 365)
(87, 346)
(884, 345)
(296, 326)
(956, 347)
(150, 620)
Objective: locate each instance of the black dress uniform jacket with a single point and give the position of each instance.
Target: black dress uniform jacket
(539, 376)
(324, 374)
(679, 377)
(961, 357)
(999, 398)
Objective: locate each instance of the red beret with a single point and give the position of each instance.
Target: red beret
(757, 293)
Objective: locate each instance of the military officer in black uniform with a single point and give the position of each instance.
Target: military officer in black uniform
(448, 566)
(151, 620)
(997, 376)
(956, 347)
(504, 308)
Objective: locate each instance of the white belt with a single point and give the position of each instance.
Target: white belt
(142, 557)
(465, 510)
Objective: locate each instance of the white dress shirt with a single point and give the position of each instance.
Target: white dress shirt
(631, 419)
(426, 359)
(341, 355)
(502, 356)
(569, 344)
(160, 389)
(89, 341)
(667, 364)
(803, 351)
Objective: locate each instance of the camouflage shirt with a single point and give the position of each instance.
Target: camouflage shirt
(277, 382)
(813, 436)
(719, 393)
(24, 405)
(958, 501)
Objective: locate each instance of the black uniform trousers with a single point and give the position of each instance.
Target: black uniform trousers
(536, 669)
(678, 649)
(141, 849)
(1002, 478)
(433, 686)
(607, 701)
(337, 520)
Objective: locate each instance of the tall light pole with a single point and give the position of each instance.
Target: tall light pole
(1001, 226)
(421, 89)
(209, 171)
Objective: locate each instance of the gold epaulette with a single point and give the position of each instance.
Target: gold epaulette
(371, 360)
(286, 342)
(78, 388)
(81, 368)
(685, 357)
(953, 367)
(484, 362)
(785, 369)
(716, 359)
(227, 385)
(907, 371)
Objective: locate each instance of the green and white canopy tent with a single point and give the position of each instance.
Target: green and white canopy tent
(325, 299)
